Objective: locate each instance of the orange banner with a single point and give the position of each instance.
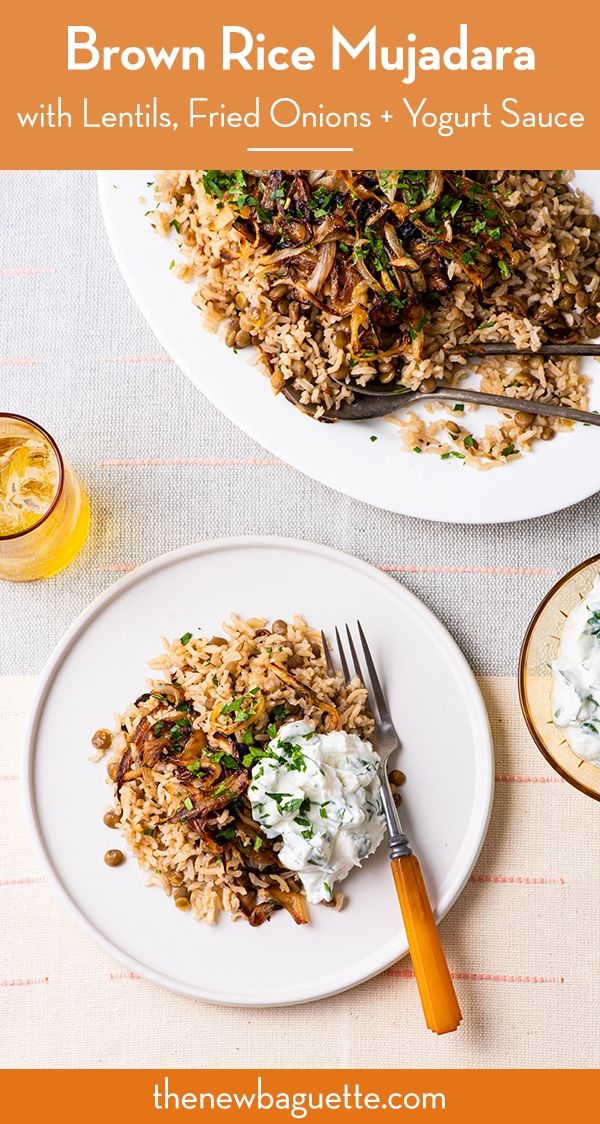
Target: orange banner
(114, 85)
(449, 1096)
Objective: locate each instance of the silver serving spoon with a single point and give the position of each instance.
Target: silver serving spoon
(378, 399)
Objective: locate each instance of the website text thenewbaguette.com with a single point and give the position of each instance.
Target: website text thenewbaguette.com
(296, 1104)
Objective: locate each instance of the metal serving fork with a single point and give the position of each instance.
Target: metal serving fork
(376, 400)
(438, 997)
(372, 405)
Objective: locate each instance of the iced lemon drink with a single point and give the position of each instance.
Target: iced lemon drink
(44, 512)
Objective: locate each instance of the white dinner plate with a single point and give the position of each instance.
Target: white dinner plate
(555, 474)
(101, 665)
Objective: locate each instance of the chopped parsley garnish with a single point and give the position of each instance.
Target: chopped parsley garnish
(221, 757)
(185, 639)
(279, 712)
(255, 754)
(322, 202)
(241, 708)
(229, 186)
(178, 734)
(194, 769)
(220, 789)
(294, 757)
(300, 804)
(592, 628)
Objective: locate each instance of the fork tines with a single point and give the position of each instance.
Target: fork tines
(376, 688)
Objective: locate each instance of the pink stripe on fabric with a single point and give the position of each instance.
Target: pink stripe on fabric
(22, 361)
(21, 881)
(503, 570)
(138, 359)
(141, 462)
(118, 567)
(407, 974)
(25, 270)
(29, 982)
(516, 880)
(494, 977)
(516, 778)
(209, 461)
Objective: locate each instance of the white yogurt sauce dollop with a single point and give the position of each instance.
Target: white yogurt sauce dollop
(319, 793)
(576, 694)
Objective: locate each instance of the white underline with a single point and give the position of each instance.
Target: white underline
(299, 150)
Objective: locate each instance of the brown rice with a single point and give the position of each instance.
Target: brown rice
(210, 672)
(297, 344)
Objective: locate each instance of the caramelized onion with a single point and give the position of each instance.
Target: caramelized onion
(124, 767)
(294, 902)
(435, 186)
(227, 743)
(256, 710)
(334, 721)
(325, 260)
(218, 798)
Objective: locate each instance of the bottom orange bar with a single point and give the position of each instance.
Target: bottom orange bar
(447, 1096)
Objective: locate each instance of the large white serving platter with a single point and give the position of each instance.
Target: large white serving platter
(557, 473)
(100, 666)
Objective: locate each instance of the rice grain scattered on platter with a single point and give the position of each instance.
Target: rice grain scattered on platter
(545, 287)
(170, 754)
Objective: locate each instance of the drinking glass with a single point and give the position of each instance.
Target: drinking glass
(44, 511)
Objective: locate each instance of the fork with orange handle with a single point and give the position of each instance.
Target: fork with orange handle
(438, 997)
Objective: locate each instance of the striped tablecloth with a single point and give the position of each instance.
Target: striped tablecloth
(163, 468)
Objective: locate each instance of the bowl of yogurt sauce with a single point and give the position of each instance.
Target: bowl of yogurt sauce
(559, 677)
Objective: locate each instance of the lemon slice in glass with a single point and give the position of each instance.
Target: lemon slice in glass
(29, 475)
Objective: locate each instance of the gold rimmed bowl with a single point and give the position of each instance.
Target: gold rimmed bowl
(539, 648)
